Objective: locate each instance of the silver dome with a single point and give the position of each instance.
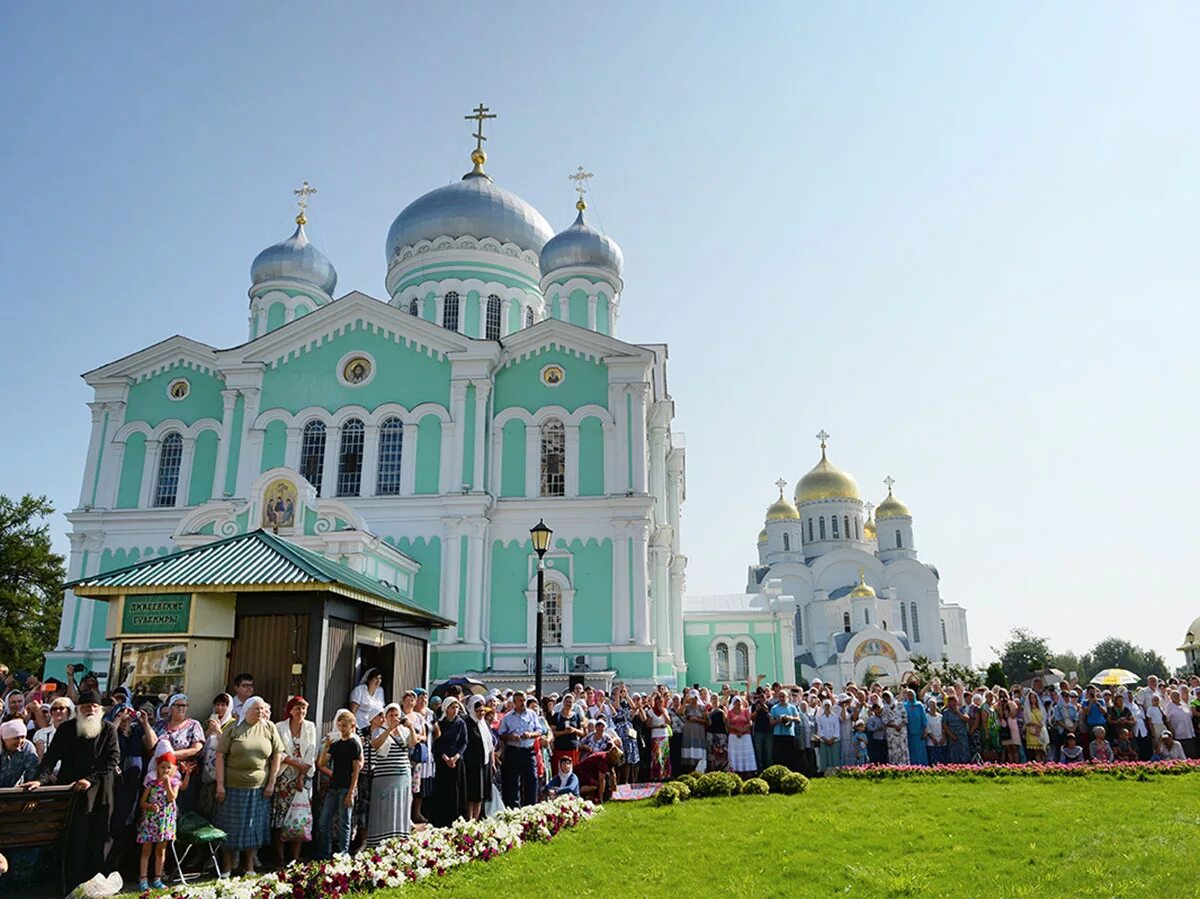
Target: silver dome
(294, 259)
(473, 207)
(580, 244)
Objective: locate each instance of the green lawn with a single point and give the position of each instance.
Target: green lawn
(1021, 837)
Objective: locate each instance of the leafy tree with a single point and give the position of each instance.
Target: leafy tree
(1066, 662)
(923, 671)
(1023, 652)
(1114, 652)
(31, 578)
(995, 677)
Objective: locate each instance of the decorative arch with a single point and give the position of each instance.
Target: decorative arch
(735, 649)
(566, 591)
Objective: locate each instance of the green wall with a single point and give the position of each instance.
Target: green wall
(591, 457)
(148, 401)
(204, 466)
(427, 551)
(510, 567)
(520, 384)
(512, 459)
(695, 648)
(274, 446)
(429, 453)
(132, 463)
(593, 584)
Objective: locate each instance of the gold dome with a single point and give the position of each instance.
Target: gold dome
(863, 590)
(826, 482)
(762, 537)
(782, 509)
(891, 507)
(869, 530)
(1192, 639)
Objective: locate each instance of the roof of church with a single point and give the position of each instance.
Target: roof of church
(257, 559)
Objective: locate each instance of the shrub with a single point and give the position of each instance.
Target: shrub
(755, 786)
(672, 794)
(774, 776)
(717, 783)
(688, 779)
(792, 784)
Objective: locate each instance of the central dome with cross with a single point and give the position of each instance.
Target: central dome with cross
(826, 481)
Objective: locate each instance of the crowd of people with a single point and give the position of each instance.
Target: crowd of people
(273, 783)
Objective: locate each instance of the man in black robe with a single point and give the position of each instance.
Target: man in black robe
(90, 759)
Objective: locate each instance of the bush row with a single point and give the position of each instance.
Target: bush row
(1120, 770)
(776, 779)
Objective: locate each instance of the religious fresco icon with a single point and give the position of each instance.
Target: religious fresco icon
(279, 504)
(875, 647)
(356, 371)
(553, 375)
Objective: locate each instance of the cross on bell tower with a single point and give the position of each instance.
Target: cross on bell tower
(304, 191)
(580, 178)
(889, 481)
(479, 115)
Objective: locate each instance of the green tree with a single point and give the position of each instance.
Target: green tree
(1114, 652)
(946, 671)
(995, 677)
(1023, 652)
(31, 578)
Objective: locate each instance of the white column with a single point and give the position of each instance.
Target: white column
(483, 391)
(658, 470)
(408, 460)
(99, 410)
(641, 600)
(229, 401)
(451, 561)
(533, 461)
(592, 311)
(662, 600)
(329, 466)
(111, 461)
(291, 451)
(571, 445)
(617, 448)
(678, 565)
(370, 460)
(483, 304)
(638, 426)
(474, 612)
(620, 594)
(458, 412)
(94, 544)
(149, 467)
(247, 463)
(66, 639)
(186, 457)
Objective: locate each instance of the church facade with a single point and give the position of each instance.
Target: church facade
(417, 439)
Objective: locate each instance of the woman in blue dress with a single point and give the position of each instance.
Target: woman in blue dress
(623, 717)
(954, 727)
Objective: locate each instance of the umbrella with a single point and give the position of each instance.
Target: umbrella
(1048, 675)
(468, 684)
(1115, 677)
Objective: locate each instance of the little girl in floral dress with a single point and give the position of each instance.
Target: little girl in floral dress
(157, 827)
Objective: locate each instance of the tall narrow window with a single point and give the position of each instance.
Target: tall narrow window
(899, 541)
(799, 628)
(787, 543)
(904, 618)
(554, 451)
(846, 522)
(450, 311)
(833, 521)
(866, 616)
(312, 453)
(350, 459)
(916, 623)
(414, 306)
(391, 445)
(722, 662)
(944, 640)
(529, 317)
(492, 325)
(741, 664)
(552, 618)
(170, 457)
(810, 536)
(846, 622)
(821, 522)
(857, 528)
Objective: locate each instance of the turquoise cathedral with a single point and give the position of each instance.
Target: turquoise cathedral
(416, 440)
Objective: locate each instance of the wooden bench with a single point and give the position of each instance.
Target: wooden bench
(30, 820)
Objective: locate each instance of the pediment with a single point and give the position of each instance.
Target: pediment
(157, 357)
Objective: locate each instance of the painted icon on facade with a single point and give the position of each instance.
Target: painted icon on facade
(178, 389)
(356, 371)
(875, 647)
(553, 375)
(279, 504)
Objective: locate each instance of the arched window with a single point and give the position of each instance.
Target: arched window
(170, 457)
(833, 521)
(944, 640)
(554, 451)
(799, 628)
(866, 616)
(899, 541)
(450, 311)
(741, 662)
(350, 459)
(904, 618)
(916, 623)
(529, 317)
(391, 445)
(552, 614)
(846, 522)
(414, 306)
(883, 624)
(312, 453)
(722, 661)
(492, 325)
(846, 622)
(810, 536)
(787, 543)
(821, 522)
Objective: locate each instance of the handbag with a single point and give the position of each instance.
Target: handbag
(419, 753)
(297, 823)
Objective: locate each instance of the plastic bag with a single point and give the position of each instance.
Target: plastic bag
(297, 823)
(100, 885)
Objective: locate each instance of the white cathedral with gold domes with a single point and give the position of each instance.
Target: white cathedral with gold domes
(840, 587)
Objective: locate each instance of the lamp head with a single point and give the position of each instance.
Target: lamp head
(540, 534)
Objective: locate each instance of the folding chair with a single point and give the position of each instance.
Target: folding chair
(194, 830)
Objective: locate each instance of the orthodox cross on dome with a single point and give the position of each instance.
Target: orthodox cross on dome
(822, 435)
(781, 484)
(580, 178)
(889, 481)
(304, 191)
(479, 115)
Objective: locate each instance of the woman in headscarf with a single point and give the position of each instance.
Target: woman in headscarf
(427, 767)
(450, 781)
(695, 733)
(477, 758)
(741, 743)
(218, 721)
(418, 752)
(61, 709)
(659, 724)
(299, 736)
(895, 723)
(366, 700)
(391, 784)
(185, 738)
(624, 715)
(248, 758)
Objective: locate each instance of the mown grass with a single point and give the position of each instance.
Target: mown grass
(1035, 837)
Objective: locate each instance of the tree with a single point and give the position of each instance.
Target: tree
(1024, 652)
(994, 677)
(1114, 652)
(923, 671)
(31, 578)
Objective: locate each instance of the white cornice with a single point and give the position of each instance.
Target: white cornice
(155, 358)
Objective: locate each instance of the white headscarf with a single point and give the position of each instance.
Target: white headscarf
(335, 734)
(248, 705)
(485, 732)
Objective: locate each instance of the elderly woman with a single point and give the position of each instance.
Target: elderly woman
(623, 717)
(419, 752)
(61, 709)
(391, 783)
(954, 728)
(658, 723)
(450, 782)
(478, 759)
(299, 736)
(1100, 750)
(741, 743)
(366, 700)
(895, 724)
(248, 758)
(695, 732)
(185, 738)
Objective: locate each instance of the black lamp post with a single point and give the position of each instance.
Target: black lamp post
(540, 534)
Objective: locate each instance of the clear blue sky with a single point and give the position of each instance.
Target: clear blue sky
(959, 237)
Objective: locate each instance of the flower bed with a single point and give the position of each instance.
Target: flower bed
(428, 853)
(1132, 770)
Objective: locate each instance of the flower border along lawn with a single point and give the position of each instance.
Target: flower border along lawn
(1038, 837)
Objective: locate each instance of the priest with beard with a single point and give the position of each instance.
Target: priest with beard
(90, 758)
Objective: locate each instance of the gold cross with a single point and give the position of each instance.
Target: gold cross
(889, 480)
(303, 192)
(781, 484)
(480, 114)
(822, 436)
(580, 178)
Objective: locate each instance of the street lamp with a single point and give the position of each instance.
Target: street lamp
(540, 534)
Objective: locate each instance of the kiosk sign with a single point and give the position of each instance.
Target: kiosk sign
(167, 614)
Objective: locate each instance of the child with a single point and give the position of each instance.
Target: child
(157, 827)
(935, 739)
(861, 755)
(342, 760)
(565, 782)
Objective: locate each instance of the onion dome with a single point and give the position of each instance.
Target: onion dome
(295, 259)
(762, 537)
(473, 207)
(869, 532)
(1191, 640)
(825, 481)
(891, 507)
(782, 509)
(863, 590)
(581, 244)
